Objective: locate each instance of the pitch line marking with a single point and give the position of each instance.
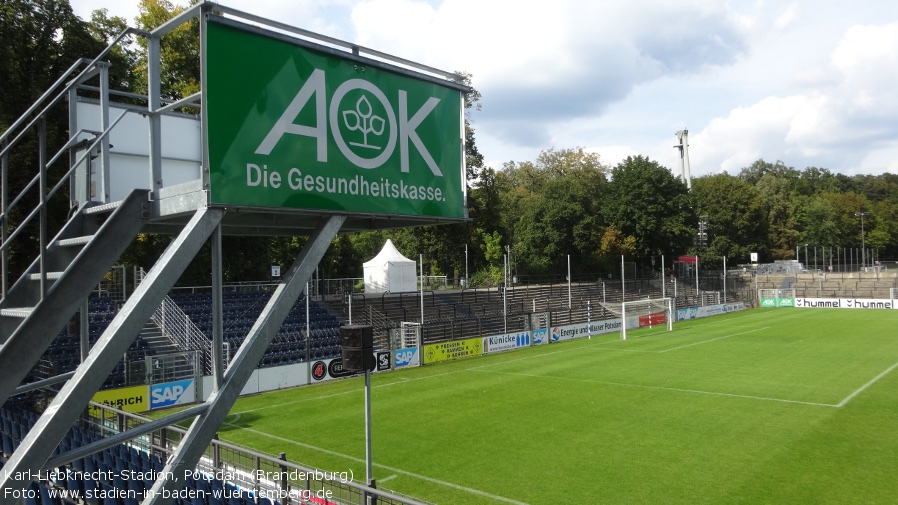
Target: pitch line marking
(385, 467)
(861, 389)
(348, 392)
(713, 339)
(664, 388)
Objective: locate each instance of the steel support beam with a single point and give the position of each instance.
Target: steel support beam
(205, 426)
(28, 341)
(63, 412)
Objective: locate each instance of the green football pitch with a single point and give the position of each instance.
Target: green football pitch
(762, 406)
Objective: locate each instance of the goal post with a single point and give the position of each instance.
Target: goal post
(646, 313)
(776, 297)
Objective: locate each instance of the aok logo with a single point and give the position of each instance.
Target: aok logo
(361, 119)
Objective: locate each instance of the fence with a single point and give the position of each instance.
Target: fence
(261, 474)
(178, 327)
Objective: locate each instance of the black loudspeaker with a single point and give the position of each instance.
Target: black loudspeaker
(357, 347)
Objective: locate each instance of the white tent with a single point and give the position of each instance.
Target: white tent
(390, 272)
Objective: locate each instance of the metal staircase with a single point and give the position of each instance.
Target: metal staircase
(116, 192)
(57, 283)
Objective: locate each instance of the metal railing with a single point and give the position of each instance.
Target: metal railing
(263, 475)
(18, 134)
(177, 327)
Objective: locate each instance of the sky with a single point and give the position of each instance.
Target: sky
(805, 82)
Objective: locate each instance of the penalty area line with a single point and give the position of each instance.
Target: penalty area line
(385, 467)
(713, 339)
(664, 388)
(861, 389)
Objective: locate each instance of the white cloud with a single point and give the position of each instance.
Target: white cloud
(846, 123)
(807, 82)
(541, 65)
(787, 17)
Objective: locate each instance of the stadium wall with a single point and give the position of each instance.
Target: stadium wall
(300, 374)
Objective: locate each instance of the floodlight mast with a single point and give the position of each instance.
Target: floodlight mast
(683, 146)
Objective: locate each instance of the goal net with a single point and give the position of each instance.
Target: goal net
(776, 297)
(651, 313)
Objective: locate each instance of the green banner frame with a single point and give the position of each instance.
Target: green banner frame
(294, 125)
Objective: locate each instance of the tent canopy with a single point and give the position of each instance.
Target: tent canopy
(390, 272)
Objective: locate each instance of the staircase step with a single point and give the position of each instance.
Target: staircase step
(73, 242)
(22, 312)
(102, 209)
(50, 276)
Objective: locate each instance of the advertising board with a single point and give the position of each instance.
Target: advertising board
(299, 126)
(129, 399)
(844, 303)
(168, 394)
(444, 351)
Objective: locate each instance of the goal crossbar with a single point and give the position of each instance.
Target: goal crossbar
(646, 313)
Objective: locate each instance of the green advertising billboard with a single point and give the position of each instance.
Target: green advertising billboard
(297, 126)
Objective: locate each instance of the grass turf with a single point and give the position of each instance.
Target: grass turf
(762, 406)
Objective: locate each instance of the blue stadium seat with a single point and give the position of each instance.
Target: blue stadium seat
(33, 497)
(90, 492)
(46, 498)
(7, 444)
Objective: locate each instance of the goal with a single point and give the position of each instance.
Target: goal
(654, 312)
(776, 297)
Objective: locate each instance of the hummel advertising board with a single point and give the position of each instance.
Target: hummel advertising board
(300, 126)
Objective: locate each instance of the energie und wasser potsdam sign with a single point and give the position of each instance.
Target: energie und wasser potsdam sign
(299, 127)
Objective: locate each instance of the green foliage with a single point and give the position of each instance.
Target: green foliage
(550, 208)
(179, 51)
(644, 200)
(39, 41)
(565, 202)
(493, 253)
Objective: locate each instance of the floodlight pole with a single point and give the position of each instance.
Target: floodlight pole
(623, 285)
(569, 298)
(663, 279)
(863, 242)
(696, 278)
(505, 293)
(589, 319)
(724, 279)
(466, 266)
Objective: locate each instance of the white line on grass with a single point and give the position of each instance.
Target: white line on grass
(392, 469)
(865, 386)
(713, 339)
(663, 388)
(349, 392)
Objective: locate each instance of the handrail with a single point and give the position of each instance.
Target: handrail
(354, 48)
(177, 326)
(55, 188)
(18, 122)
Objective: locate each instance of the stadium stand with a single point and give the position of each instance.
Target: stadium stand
(241, 310)
(102, 478)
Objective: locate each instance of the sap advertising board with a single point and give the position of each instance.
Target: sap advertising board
(296, 125)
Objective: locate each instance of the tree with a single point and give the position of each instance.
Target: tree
(753, 173)
(644, 200)
(736, 217)
(179, 51)
(550, 209)
(818, 221)
(776, 195)
(39, 40)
